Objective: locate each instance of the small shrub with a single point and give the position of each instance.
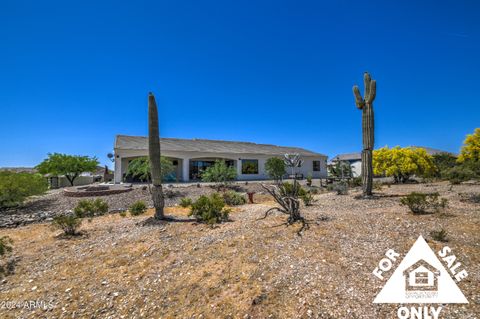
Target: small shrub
(68, 223)
(355, 182)
(5, 248)
(171, 193)
(123, 213)
(424, 203)
(439, 235)
(340, 188)
(377, 186)
(314, 191)
(307, 199)
(309, 180)
(287, 189)
(233, 198)
(137, 208)
(16, 187)
(210, 209)
(90, 208)
(458, 174)
(186, 202)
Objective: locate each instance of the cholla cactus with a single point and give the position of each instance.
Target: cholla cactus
(366, 105)
(293, 161)
(154, 156)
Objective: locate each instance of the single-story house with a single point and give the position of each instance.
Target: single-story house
(355, 159)
(191, 156)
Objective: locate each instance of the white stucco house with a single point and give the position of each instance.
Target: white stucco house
(191, 156)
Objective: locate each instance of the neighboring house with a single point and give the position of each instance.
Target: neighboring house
(355, 159)
(421, 276)
(190, 157)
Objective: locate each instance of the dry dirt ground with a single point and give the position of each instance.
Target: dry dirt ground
(246, 268)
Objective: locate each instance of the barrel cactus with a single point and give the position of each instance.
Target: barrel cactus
(154, 155)
(366, 105)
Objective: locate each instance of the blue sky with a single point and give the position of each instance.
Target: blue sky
(74, 74)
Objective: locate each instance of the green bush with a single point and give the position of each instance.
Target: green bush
(424, 203)
(355, 182)
(68, 223)
(288, 190)
(16, 187)
(439, 235)
(341, 188)
(123, 213)
(459, 173)
(220, 172)
(90, 208)
(210, 209)
(186, 202)
(233, 198)
(137, 208)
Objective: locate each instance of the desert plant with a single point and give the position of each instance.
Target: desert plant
(210, 209)
(307, 199)
(123, 213)
(137, 208)
(355, 182)
(275, 168)
(470, 151)
(460, 173)
(68, 223)
(154, 155)
(443, 162)
(90, 208)
(287, 196)
(439, 235)
(71, 166)
(424, 203)
(233, 198)
(219, 173)
(5, 248)
(186, 202)
(366, 105)
(16, 187)
(341, 188)
(340, 169)
(309, 179)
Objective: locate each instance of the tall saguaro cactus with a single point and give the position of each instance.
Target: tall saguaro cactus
(154, 155)
(366, 105)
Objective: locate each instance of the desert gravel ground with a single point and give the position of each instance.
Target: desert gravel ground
(245, 268)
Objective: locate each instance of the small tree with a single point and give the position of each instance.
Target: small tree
(5, 248)
(275, 168)
(69, 165)
(402, 163)
(15, 187)
(220, 173)
(140, 168)
(340, 169)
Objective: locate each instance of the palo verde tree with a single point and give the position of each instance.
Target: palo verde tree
(154, 155)
(366, 105)
(471, 148)
(71, 166)
(275, 168)
(402, 163)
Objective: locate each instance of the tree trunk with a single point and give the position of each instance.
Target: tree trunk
(158, 201)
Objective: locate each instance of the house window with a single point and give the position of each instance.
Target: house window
(249, 166)
(316, 166)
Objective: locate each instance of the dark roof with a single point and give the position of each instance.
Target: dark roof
(348, 157)
(208, 146)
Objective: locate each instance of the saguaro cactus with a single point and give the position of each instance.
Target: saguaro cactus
(154, 155)
(366, 105)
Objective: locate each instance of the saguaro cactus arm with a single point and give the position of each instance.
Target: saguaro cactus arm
(358, 97)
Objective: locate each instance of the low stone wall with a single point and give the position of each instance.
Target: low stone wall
(82, 193)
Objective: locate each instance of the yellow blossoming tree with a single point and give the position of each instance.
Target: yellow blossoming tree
(471, 148)
(402, 163)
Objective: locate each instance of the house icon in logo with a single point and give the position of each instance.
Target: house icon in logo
(421, 276)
